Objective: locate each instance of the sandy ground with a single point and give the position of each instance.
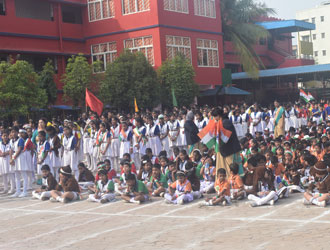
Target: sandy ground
(31, 224)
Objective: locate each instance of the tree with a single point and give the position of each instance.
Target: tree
(19, 91)
(46, 81)
(130, 76)
(178, 75)
(78, 76)
(239, 26)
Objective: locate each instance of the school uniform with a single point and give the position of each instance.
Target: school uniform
(154, 143)
(164, 130)
(20, 168)
(48, 184)
(139, 144)
(54, 155)
(42, 149)
(115, 147)
(236, 184)
(101, 142)
(182, 141)
(200, 124)
(263, 199)
(70, 185)
(93, 150)
(223, 187)
(174, 132)
(255, 117)
(125, 139)
(179, 194)
(86, 179)
(69, 155)
(237, 122)
(29, 153)
(208, 179)
(86, 135)
(5, 169)
(104, 190)
(245, 119)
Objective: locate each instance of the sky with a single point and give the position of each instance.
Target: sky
(286, 9)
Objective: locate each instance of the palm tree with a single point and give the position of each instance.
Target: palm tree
(239, 26)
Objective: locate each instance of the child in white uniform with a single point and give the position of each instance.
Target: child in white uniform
(105, 189)
(5, 170)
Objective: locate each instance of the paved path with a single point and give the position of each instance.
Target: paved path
(31, 224)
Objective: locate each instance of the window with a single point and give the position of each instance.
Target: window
(2, 8)
(178, 45)
(324, 52)
(323, 35)
(322, 18)
(134, 6)
(207, 53)
(305, 38)
(142, 44)
(305, 20)
(36, 9)
(37, 61)
(316, 53)
(176, 5)
(104, 52)
(100, 9)
(71, 14)
(314, 36)
(313, 20)
(205, 8)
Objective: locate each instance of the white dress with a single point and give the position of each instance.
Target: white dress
(5, 161)
(115, 143)
(125, 142)
(255, 117)
(69, 155)
(237, 122)
(153, 139)
(20, 160)
(245, 119)
(293, 118)
(182, 141)
(165, 142)
(173, 127)
(54, 161)
(103, 138)
(143, 143)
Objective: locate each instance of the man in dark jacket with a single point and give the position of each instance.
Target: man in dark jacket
(229, 150)
(191, 131)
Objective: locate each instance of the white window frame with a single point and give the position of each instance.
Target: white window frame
(94, 2)
(104, 54)
(142, 47)
(182, 3)
(179, 46)
(207, 49)
(136, 7)
(196, 8)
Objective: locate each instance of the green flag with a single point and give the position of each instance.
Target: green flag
(175, 103)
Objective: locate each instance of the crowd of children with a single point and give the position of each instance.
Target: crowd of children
(137, 158)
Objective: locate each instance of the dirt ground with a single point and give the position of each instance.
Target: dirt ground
(31, 224)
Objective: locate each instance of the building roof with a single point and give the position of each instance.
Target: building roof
(287, 26)
(285, 71)
(218, 90)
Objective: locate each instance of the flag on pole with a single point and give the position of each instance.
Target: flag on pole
(136, 106)
(175, 103)
(93, 102)
(310, 97)
(304, 96)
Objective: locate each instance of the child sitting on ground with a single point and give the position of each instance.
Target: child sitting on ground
(145, 172)
(86, 178)
(171, 172)
(104, 189)
(106, 165)
(127, 158)
(121, 185)
(319, 197)
(158, 183)
(67, 189)
(136, 191)
(265, 193)
(237, 191)
(179, 192)
(208, 173)
(48, 184)
(222, 188)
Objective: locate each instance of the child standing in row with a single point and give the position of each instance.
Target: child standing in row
(5, 169)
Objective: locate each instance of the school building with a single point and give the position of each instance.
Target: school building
(35, 30)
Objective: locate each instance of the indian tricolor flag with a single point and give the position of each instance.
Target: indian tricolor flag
(208, 134)
(310, 97)
(213, 133)
(304, 96)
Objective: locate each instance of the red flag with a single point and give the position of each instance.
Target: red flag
(94, 103)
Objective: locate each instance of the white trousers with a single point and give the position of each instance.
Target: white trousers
(264, 200)
(106, 196)
(41, 195)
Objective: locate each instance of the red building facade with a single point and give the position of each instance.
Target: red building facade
(35, 30)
